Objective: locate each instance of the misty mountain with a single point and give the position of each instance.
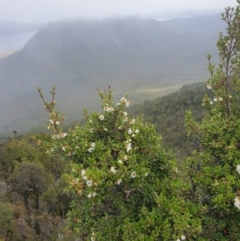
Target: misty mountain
(199, 24)
(186, 13)
(144, 58)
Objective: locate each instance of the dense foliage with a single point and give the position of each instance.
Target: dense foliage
(213, 168)
(32, 203)
(167, 114)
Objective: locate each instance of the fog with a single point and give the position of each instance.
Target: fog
(46, 10)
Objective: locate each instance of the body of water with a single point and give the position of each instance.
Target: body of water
(15, 41)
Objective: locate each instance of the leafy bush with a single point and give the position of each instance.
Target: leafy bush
(125, 183)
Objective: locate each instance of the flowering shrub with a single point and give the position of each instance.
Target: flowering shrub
(125, 183)
(212, 168)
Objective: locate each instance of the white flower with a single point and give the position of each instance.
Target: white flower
(137, 131)
(111, 109)
(101, 117)
(132, 121)
(133, 174)
(93, 145)
(125, 101)
(84, 178)
(238, 169)
(228, 43)
(129, 147)
(125, 113)
(113, 170)
(51, 121)
(89, 195)
(178, 239)
(133, 135)
(211, 102)
(183, 237)
(108, 109)
(91, 130)
(89, 183)
(83, 172)
(125, 157)
(120, 161)
(90, 121)
(63, 148)
(119, 181)
(60, 135)
(176, 170)
(91, 149)
(146, 174)
(92, 239)
(209, 87)
(237, 202)
(120, 128)
(105, 129)
(94, 194)
(129, 131)
(220, 99)
(57, 123)
(125, 120)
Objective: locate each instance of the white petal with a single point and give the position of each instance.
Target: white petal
(51, 121)
(83, 172)
(129, 147)
(183, 237)
(89, 183)
(238, 169)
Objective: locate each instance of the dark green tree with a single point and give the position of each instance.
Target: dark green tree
(30, 180)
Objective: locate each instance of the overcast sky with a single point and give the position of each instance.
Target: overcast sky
(46, 10)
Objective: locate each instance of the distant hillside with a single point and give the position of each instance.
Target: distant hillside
(168, 114)
(141, 57)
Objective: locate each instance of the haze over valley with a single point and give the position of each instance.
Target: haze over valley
(142, 57)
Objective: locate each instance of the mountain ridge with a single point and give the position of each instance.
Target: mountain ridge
(130, 54)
